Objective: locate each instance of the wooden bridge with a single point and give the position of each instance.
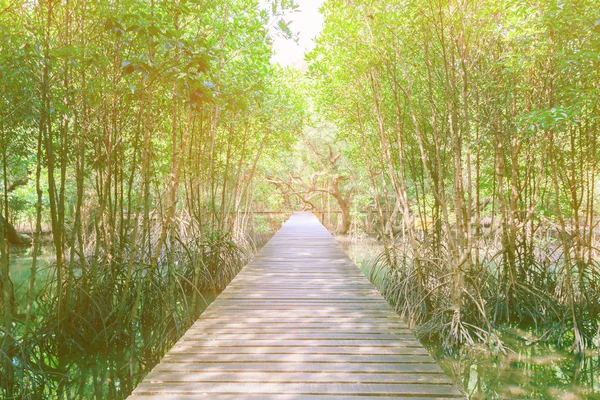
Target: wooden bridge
(299, 322)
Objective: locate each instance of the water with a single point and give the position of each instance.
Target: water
(20, 272)
(528, 370)
(363, 251)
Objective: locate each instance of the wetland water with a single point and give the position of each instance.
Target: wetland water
(531, 369)
(20, 273)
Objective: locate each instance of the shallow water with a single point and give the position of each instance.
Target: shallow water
(529, 370)
(20, 272)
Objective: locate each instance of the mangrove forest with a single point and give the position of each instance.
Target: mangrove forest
(149, 149)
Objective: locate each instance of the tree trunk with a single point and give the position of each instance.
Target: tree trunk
(12, 235)
(344, 224)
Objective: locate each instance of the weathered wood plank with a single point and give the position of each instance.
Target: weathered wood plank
(299, 322)
(414, 389)
(296, 358)
(291, 320)
(304, 377)
(274, 396)
(278, 329)
(299, 336)
(300, 367)
(191, 348)
(290, 343)
(302, 313)
(319, 325)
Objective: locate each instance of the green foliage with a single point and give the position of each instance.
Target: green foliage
(476, 124)
(144, 125)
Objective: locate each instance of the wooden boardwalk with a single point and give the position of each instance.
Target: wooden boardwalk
(299, 322)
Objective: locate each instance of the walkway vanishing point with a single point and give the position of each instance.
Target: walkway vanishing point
(300, 321)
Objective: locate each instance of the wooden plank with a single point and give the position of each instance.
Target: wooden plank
(300, 336)
(301, 313)
(272, 328)
(263, 320)
(301, 367)
(190, 356)
(216, 342)
(305, 377)
(351, 350)
(273, 396)
(299, 322)
(414, 389)
(306, 306)
(373, 325)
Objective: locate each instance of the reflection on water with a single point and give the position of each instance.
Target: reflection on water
(362, 251)
(529, 370)
(20, 273)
